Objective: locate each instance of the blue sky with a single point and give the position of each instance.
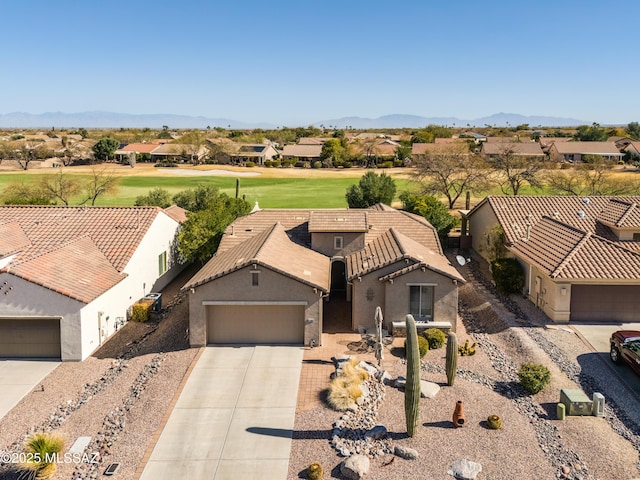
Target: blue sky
(296, 62)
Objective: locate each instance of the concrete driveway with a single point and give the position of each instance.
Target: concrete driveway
(598, 335)
(234, 418)
(18, 377)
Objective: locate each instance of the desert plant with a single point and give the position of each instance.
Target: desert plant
(435, 337)
(494, 422)
(508, 275)
(412, 386)
(343, 392)
(423, 346)
(314, 471)
(42, 450)
(467, 350)
(452, 358)
(534, 377)
(141, 310)
(352, 371)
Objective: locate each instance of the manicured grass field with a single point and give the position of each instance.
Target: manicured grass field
(270, 192)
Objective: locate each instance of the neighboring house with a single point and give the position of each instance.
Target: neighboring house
(178, 152)
(518, 149)
(575, 151)
(136, 150)
(312, 140)
(546, 142)
(256, 153)
(620, 142)
(581, 256)
(275, 271)
(633, 149)
(305, 153)
(420, 151)
(68, 275)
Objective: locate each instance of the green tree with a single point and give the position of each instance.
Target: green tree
(633, 130)
(105, 148)
(371, 189)
(21, 193)
(158, 197)
(333, 153)
(403, 152)
(201, 198)
(432, 209)
(165, 133)
(591, 133)
(201, 233)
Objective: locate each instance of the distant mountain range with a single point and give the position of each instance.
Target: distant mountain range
(124, 120)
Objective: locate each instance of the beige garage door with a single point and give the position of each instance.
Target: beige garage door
(605, 303)
(259, 324)
(30, 338)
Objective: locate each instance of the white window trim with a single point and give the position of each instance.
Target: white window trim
(338, 239)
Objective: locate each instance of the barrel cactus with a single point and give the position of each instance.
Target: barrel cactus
(314, 471)
(494, 422)
(452, 358)
(412, 387)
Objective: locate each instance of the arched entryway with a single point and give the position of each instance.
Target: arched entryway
(337, 309)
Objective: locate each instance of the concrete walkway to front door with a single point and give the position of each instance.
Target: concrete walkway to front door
(234, 418)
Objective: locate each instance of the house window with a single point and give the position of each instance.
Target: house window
(636, 237)
(255, 279)
(421, 301)
(338, 243)
(162, 263)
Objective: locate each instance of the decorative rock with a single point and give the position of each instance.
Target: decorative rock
(464, 469)
(406, 453)
(400, 382)
(376, 433)
(428, 389)
(355, 467)
(383, 376)
(370, 369)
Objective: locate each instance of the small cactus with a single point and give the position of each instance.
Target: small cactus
(314, 471)
(494, 422)
(452, 358)
(467, 350)
(412, 387)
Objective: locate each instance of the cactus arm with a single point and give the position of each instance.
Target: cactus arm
(412, 388)
(452, 358)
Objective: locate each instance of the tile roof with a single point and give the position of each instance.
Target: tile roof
(391, 247)
(179, 214)
(565, 252)
(37, 234)
(517, 148)
(438, 148)
(311, 140)
(587, 148)
(338, 221)
(271, 248)
(137, 148)
(302, 150)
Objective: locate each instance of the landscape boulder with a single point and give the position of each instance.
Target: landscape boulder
(355, 467)
(464, 469)
(406, 452)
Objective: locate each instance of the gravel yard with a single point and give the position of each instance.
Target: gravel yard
(532, 444)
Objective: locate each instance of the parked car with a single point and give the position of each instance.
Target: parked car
(625, 347)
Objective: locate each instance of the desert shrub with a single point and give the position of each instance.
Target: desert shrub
(534, 377)
(317, 164)
(398, 163)
(423, 345)
(467, 350)
(508, 275)
(388, 164)
(141, 310)
(351, 371)
(250, 164)
(343, 393)
(17, 136)
(41, 450)
(268, 163)
(435, 337)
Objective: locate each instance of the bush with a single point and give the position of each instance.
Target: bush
(141, 310)
(250, 164)
(39, 449)
(268, 163)
(423, 345)
(317, 164)
(508, 275)
(534, 377)
(343, 392)
(388, 164)
(435, 337)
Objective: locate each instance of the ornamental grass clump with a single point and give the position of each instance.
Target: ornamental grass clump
(534, 377)
(345, 389)
(41, 451)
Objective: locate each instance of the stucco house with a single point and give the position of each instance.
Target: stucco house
(575, 151)
(68, 275)
(304, 152)
(531, 150)
(581, 255)
(256, 153)
(276, 270)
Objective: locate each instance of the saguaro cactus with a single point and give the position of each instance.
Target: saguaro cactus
(412, 387)
(452, 358)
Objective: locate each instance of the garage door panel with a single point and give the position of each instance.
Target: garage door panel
(30, 338)
(255, 324)
(605, 303)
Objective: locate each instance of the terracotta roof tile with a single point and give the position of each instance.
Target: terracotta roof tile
(13, 238)
(587, 148)
(531, 149)
(273, 249)
(338, 221)
(137, 148)
(620, 213)
(179, 214)
(302, 150)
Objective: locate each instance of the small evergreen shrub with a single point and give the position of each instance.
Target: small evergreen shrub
(508, 275)
(317, 164)
(423, 345)
(141, 310)
(250, 164)
(534, 377)
(435, 337)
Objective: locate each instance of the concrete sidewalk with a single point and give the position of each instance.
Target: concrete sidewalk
(18, 377)
(234, 418)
